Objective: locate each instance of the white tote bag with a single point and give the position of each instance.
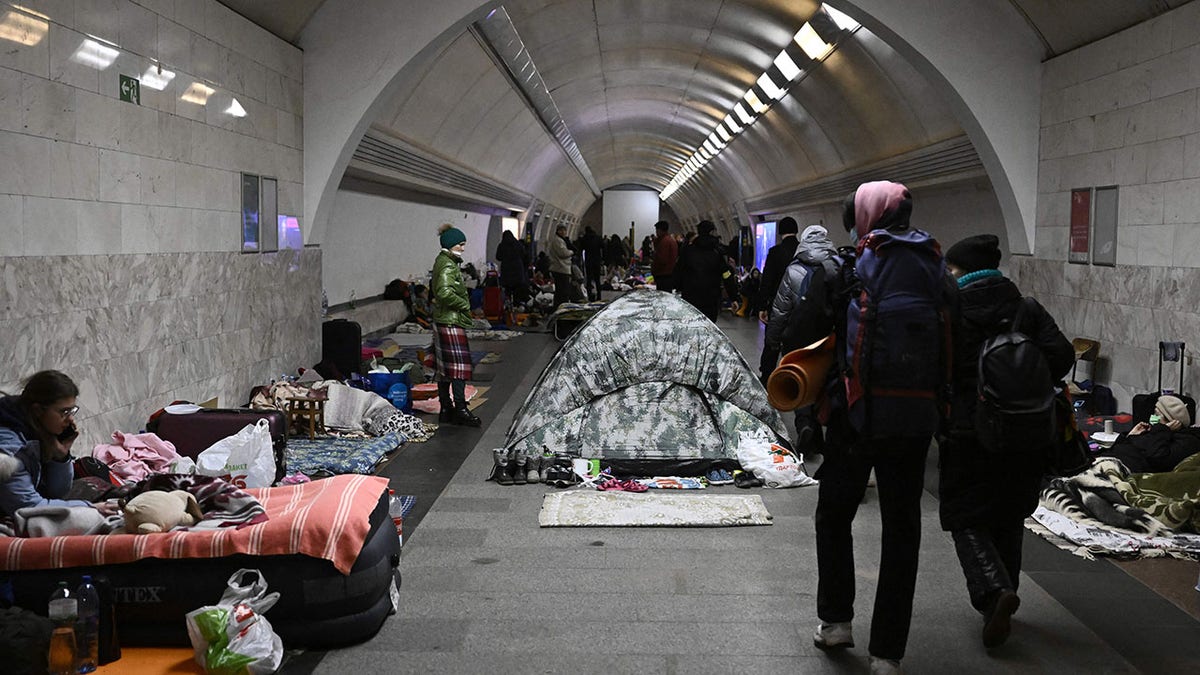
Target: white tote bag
(245, 459)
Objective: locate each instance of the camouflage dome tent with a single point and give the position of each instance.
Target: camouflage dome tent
(649, 385)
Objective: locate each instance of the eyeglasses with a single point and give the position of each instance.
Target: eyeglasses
(68, 412)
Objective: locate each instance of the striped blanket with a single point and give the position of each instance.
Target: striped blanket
(326, 519)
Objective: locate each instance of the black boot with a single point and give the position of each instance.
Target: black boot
(447, 412)
(464, 418)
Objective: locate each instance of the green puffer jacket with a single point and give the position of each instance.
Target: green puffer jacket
(451, 304)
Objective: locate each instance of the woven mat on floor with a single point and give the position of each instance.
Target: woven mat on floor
(586, 508)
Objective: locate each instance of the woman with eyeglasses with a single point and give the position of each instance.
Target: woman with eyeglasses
(37, 430)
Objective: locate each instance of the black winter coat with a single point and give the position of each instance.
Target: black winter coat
(979, 488)
(778, 258)
(702, 273)
(1156, 450)
(514, 263)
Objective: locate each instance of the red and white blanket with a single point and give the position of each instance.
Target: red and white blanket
(326, 519)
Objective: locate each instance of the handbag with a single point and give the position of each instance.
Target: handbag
(1068, 454)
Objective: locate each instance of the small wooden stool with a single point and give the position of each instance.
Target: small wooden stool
(306, 415)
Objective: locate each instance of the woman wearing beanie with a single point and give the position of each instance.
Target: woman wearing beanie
(985, 498)
(451, 318)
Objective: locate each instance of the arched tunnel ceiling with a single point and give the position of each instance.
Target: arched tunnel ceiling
(640, 84)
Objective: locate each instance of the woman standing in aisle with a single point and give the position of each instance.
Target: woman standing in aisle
(451, 318)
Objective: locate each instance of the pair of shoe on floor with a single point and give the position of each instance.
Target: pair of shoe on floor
(460, 416)
(719, 477)
(550, 469)
(831, 636)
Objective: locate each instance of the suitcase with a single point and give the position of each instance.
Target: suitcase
(341, 345)
(193, 433)
(1143, 404)
(493, 304)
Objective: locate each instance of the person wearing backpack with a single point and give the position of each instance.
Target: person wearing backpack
(991, 468)
(702, 273)
(893, 346)
(802, 313)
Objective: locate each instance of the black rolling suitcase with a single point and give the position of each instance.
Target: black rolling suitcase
(341, 345)
(1143, 404)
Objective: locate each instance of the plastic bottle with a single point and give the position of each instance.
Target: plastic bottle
(63, 610)
(109, 649)
(324, 304)
(395, 510)
(87, 628)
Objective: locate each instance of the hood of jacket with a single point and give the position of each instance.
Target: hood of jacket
(13, 417)
(987, 302)
(708, 241)
(814, 246)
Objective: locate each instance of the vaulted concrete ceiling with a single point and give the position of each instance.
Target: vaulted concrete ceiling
(640, 84)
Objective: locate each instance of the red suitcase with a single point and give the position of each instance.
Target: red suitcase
(193, 433)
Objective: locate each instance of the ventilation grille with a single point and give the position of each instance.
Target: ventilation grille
(390, 155)
(955, 158)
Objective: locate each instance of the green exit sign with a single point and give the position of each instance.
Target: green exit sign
(131, 90)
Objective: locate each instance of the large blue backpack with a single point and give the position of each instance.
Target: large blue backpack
(898, 336)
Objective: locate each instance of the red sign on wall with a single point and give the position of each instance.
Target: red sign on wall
(1081, 222)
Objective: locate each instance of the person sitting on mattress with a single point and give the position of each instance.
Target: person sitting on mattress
(37, 430)
(451, 318)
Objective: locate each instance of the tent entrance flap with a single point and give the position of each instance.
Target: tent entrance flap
(671, 421)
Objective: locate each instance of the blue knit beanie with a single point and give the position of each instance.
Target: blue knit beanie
(451, 237)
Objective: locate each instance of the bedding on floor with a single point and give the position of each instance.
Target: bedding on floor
(340, 455)
(322, 519)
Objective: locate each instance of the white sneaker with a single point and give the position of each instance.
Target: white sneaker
(885, 666)
(833, 636)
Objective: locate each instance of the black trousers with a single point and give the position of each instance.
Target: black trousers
(991, 560)
(664, 282)
(899, 465)
(562, 288)
(593, 282)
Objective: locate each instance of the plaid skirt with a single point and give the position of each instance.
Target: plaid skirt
(451, 354)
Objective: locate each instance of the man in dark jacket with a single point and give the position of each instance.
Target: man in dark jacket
(985, 497)
(778, 258)
(592, 247)
(702, 272)
(514, 267)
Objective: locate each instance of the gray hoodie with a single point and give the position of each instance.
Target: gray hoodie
(815, 248)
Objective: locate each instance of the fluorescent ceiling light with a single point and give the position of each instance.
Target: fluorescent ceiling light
(235, 109)
(94, 54)
(23, 29)
(716, 140)
(732, 125)
(844, 22)
(768, 85)
(811, 43)
(157, 77)
(755, 104)
(787, 67)
(724, 133)
(198, 94)
(708, 145)
(704, 151)
(744, 116)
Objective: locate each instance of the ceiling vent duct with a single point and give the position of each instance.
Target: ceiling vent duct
(499, 38)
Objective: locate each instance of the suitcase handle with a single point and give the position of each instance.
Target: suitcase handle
(1177, 352)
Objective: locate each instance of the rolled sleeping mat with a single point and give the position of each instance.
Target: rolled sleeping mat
(796, 382)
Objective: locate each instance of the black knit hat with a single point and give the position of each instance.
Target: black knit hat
(980, 252)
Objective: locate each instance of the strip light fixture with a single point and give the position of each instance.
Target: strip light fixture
(812, 44)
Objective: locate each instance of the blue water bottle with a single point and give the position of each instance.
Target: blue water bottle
(87, 627)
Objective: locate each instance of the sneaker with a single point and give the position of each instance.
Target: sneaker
(719, 477)
(997, 627)
(833, 636)
(882, 666)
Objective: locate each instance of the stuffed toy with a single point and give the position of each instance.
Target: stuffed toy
(158, 511)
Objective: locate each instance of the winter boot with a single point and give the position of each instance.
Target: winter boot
(502, 472)
(547, 462)
(464, 417)
(533, 467)
(519, 474)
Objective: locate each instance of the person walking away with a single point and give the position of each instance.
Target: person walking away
(802, 313)
(665, 258)
(514, 267)
(451, 318)
(560, 253)
(591, 245)
(883, 417)
(614, 255)
(749, 291)
(986, 496)
(702, 272)
(779, 257)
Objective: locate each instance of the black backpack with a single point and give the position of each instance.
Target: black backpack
(1015, 411)
(811, 317)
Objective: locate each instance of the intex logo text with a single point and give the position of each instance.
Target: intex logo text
(139, 594)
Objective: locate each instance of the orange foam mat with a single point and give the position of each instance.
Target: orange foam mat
(152, 661)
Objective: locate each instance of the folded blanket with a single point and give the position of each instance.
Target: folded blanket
(355, 409)
(57, 521)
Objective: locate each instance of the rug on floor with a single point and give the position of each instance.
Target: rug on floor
(585, 508)
(326, 455)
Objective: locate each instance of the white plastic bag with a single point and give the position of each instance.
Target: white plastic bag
(245, 459)
(771, 463)
(233, 636)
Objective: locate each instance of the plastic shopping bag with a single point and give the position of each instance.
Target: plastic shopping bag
(770, 462)
(245, 459)
(233, 637)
